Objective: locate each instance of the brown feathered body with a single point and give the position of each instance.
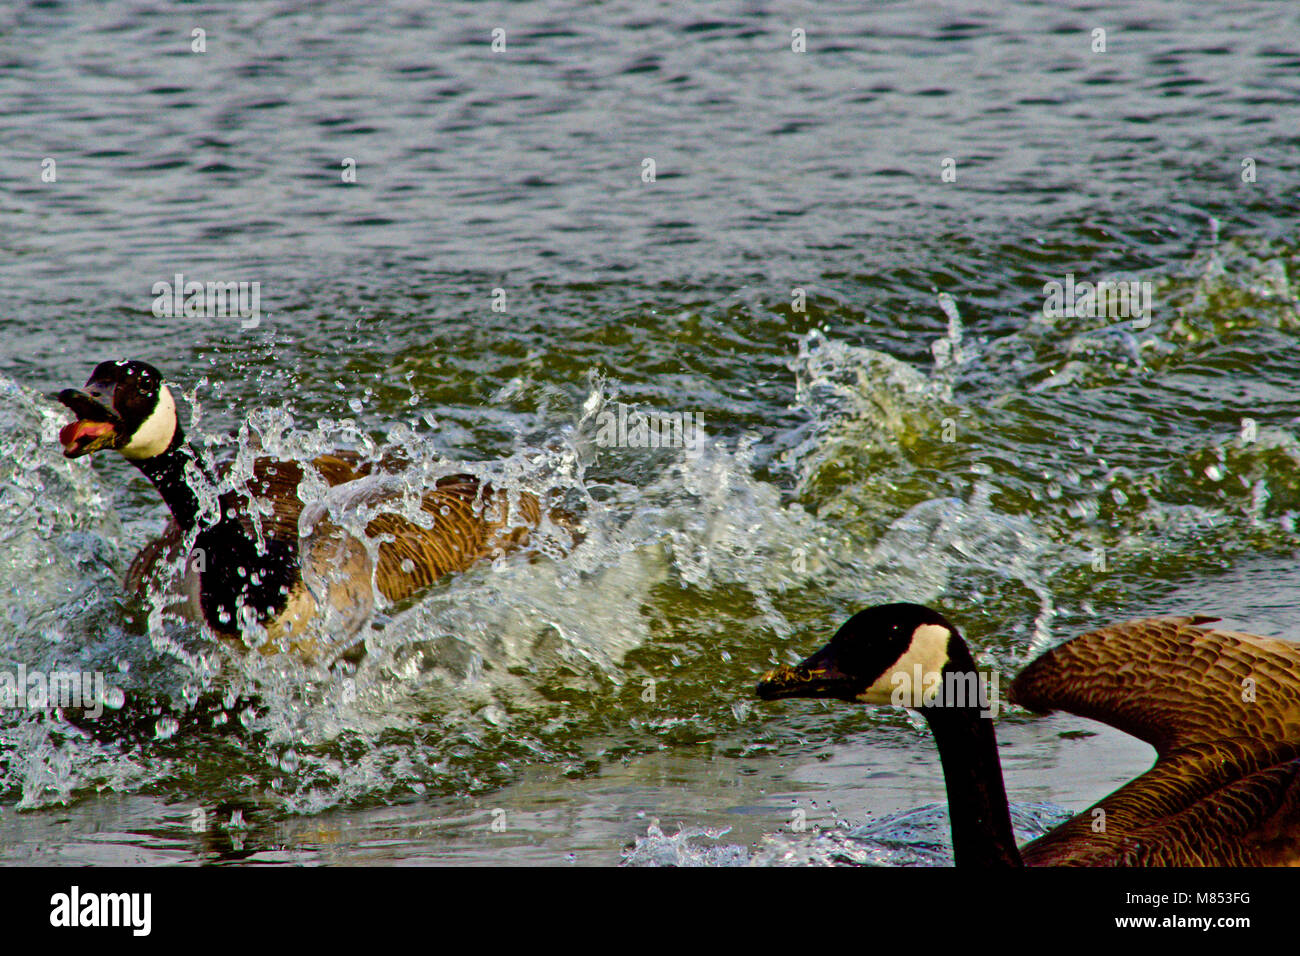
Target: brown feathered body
(1222, 711)
(358, 540)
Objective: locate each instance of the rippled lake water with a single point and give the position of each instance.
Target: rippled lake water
(889, 413)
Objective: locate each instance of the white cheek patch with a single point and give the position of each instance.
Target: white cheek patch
(155, 432)
(917, 675)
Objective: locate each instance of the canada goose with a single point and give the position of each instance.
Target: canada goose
(261, 556)
(1221, 709)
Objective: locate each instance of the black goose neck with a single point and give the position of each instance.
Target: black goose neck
(167, 473)
(977, 798)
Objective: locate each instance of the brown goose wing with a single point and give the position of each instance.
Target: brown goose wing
(1222, 710)
(277, 482)
(1171, 683)
(1233, 803)
(470, 521)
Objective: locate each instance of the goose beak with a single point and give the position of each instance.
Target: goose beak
(818, 676)
(95, 427)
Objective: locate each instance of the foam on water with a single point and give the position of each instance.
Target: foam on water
(916, 837)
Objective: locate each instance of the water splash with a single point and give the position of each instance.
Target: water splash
(916, 837)
(689, 846)
(471, 668)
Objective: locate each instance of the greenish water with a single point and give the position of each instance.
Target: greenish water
(920, 431)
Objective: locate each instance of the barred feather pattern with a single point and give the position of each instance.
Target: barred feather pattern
(1222, 711)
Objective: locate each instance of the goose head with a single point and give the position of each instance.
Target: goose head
(888, 654)
(125, 406)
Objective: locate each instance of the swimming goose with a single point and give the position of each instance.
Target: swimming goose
(1221, 709)
(263, 557)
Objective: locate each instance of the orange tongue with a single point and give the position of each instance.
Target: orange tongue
(70, 433)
